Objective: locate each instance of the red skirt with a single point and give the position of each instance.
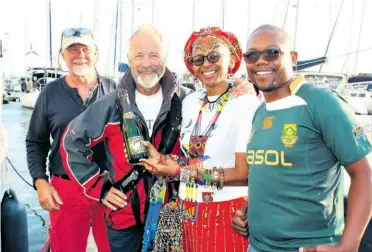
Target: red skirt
(207, 227)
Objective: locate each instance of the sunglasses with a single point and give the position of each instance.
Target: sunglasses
(268, 55)
(212, 57)
(76, 32)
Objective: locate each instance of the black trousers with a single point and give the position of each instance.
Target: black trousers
(125, 240)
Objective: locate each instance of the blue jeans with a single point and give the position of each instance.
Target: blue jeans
(125, 240)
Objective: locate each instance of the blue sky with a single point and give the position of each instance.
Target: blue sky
(26, 23)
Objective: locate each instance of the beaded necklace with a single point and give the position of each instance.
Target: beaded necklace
(198, 140)
(196, 151)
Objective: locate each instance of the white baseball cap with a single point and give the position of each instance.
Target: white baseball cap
(72, 36)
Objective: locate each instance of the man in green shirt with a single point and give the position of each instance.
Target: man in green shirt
(301, 137)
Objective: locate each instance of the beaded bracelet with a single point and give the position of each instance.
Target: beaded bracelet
(207, 177)
(215, 178)
(185, 174)
(222, 179)
(176, 176)
(200, 176)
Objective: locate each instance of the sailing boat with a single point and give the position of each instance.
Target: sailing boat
(38, 77)
(336, 82)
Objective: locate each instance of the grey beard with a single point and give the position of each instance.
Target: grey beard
(82, 71)
(143, 83)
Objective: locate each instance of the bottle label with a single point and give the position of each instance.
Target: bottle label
(129, 115)
(136, 145)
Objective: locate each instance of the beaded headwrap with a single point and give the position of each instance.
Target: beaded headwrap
(227, 37)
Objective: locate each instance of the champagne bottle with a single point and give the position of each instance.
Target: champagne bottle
(132, 134)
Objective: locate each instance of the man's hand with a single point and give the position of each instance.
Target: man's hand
(48, 196)
(115, 198)
(329, 248)
(240, 220)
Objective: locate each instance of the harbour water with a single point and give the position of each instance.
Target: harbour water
(16, 120)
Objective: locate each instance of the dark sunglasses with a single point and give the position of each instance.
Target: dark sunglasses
(268, 55)
(75, 32)
(212, 57)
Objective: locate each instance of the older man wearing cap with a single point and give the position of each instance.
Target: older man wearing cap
(71, 213)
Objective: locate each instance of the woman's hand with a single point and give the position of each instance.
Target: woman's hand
(168, 167)
(152, 151)
(157, 164)
(242, 88)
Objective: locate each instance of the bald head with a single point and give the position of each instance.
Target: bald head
(280, 34)
(270, 58)
(150, 32)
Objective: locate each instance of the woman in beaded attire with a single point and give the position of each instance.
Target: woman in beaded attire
(214, 133)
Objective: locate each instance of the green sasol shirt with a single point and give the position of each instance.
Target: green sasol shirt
(296, 152)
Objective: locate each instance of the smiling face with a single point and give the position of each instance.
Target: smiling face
(146, 59)
(267, 74)
(209, 73)
(80, 59)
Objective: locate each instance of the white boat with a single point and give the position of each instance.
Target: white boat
(338, 83)
(331, 81)
(28, 100)
(39, 77)
(360, 100)
(360, 87)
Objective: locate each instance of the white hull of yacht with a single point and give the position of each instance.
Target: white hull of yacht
(28, 100)
(357, 105)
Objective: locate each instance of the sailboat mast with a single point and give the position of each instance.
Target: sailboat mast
(296, 24)
(121, 32)
(95, 18)
(248, 18)
(50, 34)
(360, 35)
(193, 15)
(153, 12)
(286, 13)
(350, 42)
(132, 16)
(223, 14)
(330, 38)
(116, 34)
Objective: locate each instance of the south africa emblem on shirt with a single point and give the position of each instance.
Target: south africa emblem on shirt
(289, 136)
(268, 122)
